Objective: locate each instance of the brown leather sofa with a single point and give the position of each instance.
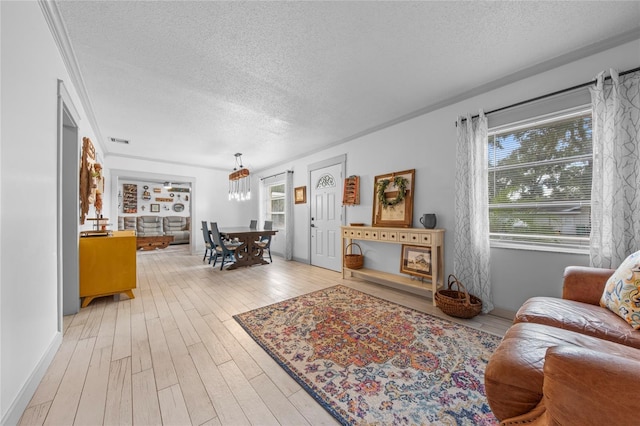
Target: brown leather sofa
(567, 361)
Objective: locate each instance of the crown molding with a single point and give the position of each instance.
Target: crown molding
(58, 30)
(163, 161)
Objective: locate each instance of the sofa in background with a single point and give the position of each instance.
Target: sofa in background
(567, 361)
(177, 226)
(126, 223)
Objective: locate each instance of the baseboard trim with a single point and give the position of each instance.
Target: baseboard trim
(503, 313)
(13, 414)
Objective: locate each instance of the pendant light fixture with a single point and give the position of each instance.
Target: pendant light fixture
(239, 181)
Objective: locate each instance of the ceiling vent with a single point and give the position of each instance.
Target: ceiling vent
(118, 140)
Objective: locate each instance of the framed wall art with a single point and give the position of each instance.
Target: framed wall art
(155, 208)
(300, 195)
(416, 260)
(393, 199)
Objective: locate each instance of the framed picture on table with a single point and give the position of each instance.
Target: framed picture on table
(416, 260)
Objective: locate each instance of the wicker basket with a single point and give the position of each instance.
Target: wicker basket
(353, 261)
(458, 303)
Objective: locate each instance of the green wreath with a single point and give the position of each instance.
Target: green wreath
(400, 183)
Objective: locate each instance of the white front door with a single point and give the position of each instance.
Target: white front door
(326, 217)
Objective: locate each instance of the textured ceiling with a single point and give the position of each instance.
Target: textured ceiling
(195, 82)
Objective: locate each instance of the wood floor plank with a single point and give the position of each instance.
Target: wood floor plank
(65, 403)
(122, 337)
(225, 404)
(172, 406)
(209, 339)
(146, 407)
(107, 329)
(189, 334)
(163, 368)
(140, 349)
(253, 407)
(119, 407)
(94, 393)
(92, 326)
(35, 415)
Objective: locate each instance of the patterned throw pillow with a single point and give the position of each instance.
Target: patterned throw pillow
(622, 291)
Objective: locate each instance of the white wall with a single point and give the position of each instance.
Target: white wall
(144, 206)
(427, 143)
(31, 66)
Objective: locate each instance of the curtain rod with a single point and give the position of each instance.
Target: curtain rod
(548, 95)
(277, 174)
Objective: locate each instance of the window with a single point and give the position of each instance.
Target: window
(540, 182)
(275, 205)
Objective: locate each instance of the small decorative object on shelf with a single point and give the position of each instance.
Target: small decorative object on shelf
(164, 199)
(428, 220)
(351, 191)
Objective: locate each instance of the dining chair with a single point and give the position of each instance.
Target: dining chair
(209, 246)
(265, 240)
(253, 224)
(226, 250)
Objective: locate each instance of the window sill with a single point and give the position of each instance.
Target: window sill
(517, 246)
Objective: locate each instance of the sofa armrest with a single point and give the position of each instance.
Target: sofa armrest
(583, 386)
(585, 284)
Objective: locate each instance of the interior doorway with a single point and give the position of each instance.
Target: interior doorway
(325, 183)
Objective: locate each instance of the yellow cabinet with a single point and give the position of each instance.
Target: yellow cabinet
(107, 265)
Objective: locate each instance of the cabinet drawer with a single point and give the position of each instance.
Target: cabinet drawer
(358, 233)
(403, 237)
(375, 235)
(425, 238)
(369, 235)
(392, 236)
(345, 232)
(415, 238)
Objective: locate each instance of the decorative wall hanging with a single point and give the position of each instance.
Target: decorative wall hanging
(393, 199)
(130, 198)
(155, 208)
(86, 164)
(351, 191)
(178, 207)
(300, 195)
(164, 199)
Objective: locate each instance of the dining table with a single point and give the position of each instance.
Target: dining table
(248, 252)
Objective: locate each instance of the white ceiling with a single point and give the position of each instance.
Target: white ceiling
(196, 82)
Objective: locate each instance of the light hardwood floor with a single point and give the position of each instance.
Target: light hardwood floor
(175, 356)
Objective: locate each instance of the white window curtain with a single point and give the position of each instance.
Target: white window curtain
(288, 214)
(615, 194)
(471, 245)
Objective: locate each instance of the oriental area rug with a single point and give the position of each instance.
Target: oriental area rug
(370, 361)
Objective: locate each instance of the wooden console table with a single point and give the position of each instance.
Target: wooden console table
(153, 242)
(433, 238)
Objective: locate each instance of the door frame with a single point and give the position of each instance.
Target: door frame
(68, 154)
(340, 159)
